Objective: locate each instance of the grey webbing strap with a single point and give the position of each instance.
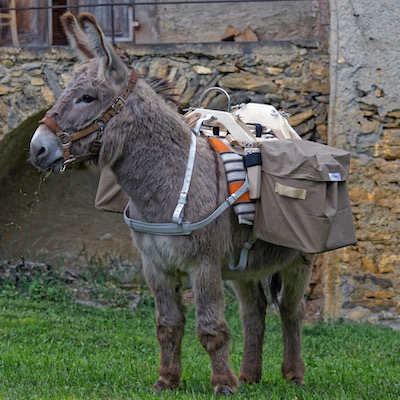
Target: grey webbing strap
(244, 253)
(177, 216)
(185, 228)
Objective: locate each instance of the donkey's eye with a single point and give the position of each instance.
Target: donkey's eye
(86, 99)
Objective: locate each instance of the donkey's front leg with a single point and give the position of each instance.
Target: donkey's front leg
(212, 329)
(170, 322)
(253, 305)
(295, 280)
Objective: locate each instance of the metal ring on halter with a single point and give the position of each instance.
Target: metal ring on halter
(68, 161)
(65, 139)
(220, 90)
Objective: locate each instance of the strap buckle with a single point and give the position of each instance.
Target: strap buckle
(65, 139)
(118, 104)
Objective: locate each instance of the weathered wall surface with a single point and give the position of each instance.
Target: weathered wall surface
(362, 282)
(279, 20)
(359, 282)
(293, 77)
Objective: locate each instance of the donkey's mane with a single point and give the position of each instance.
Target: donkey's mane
(162, 87)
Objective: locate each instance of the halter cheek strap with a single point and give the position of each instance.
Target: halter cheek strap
(97, 126)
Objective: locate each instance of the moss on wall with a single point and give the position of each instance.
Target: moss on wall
(14, 147)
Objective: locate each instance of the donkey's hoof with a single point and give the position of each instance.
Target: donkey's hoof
(249, 379)
(294, 377)
(161, 385)
(223, 391)
(296, 381)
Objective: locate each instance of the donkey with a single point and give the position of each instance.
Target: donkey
(146, 144)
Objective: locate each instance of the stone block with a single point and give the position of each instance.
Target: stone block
(247, 81)
(202, 70)
(3, 109)
(319, 69)
(273, 71)
(369, 264)
(389, 147)
(301, 117)
(48, 96)
(307, 84)
(389, 263)
(37, 81)
(7, 63)
(6, 90)
(225, 68)
(322, 131)
(359, 193)
(394, 114)
(379, 294)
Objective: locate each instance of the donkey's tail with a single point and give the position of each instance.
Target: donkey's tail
(275, 286)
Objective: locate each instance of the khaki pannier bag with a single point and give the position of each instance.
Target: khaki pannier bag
(110, 196)
(304, 202)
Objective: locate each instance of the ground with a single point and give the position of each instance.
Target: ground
(35, 212)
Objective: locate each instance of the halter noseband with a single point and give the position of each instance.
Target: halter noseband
(97, 126)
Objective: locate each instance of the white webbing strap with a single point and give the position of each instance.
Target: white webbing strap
(177, 216)
(185, 228)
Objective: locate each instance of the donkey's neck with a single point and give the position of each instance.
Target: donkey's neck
(153, 145)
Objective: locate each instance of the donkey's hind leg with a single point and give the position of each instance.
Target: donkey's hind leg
(295, 279)
(212, 329)
(253, 304)
(170, 322)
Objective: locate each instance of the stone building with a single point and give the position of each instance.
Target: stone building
(331, 64)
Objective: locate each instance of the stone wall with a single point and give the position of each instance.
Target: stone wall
(362, 281)
(358, 282)
(293, 77)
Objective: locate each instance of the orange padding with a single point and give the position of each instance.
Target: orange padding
(234, 187)
(219, 145)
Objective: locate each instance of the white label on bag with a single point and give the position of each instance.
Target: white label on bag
(335, 176)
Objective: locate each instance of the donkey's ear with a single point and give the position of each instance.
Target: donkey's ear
(111, 67)
(76, 37)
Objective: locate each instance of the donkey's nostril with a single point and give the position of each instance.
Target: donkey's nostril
(41, 151)
(38, 151)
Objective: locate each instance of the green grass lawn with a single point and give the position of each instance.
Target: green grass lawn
(61, 350)
(53, 348)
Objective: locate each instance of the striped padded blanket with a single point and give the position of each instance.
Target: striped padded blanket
(235, 174)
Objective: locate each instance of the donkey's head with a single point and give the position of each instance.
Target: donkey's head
(72, 129)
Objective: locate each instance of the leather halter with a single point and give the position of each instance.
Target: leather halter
(97, 126)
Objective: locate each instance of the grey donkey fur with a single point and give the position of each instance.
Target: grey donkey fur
(147, 146)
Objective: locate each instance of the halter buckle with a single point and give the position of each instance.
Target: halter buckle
(65, 139)
(100, 125)
(118, 104)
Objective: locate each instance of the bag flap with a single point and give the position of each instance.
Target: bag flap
(302, 159)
